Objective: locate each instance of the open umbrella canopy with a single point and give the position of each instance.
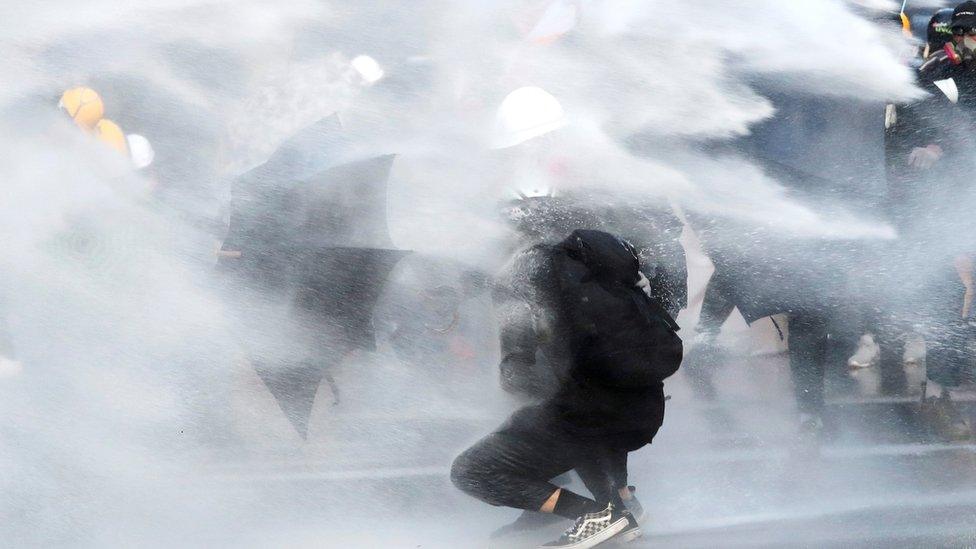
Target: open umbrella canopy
(316, 247)
(311, 195)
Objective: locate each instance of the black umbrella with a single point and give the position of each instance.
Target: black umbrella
(317, 247)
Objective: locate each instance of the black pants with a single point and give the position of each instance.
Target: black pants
(932, 306)
(716, 304)
(512, 467)
(817, 341)
(700, 362)
(949, 357)
(808, 354)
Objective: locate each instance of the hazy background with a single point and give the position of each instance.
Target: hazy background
(137, 420)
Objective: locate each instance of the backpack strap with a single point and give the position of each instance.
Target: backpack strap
(652, 310)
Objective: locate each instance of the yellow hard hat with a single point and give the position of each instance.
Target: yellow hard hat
(111, 134)
(83, 105)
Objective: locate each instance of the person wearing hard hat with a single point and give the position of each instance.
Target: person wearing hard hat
(533, 365)
(524, 114)
(887, 344)
(541, 212)
(83, 105)
(931, 197)
(86, 108)
(938, 32)
(609, 356)
(536, 211)
(141, 151)
(136, 147)
(109, 133)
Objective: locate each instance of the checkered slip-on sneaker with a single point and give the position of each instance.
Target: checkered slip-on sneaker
(631, 532)
(592, 529)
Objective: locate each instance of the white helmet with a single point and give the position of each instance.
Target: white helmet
(368, 69)
(524, 114)
(140, 150)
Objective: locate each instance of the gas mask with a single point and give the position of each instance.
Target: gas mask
(963, 51)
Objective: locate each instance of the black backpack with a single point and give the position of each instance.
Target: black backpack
(618, 336)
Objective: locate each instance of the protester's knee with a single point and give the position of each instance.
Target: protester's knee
(459, 471)
(466, 474)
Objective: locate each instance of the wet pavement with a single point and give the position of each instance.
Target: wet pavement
(730, 472)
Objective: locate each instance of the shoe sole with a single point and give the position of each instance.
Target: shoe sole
(628, 536)
(640, 518)
(606, 535)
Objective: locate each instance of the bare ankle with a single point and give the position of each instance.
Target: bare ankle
(550, 505)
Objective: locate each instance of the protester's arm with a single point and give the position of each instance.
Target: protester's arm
(667, 277)
(516, 307)
(934, 123)
(663, 261)
(518, 346)
(921, 123)
(925, 157)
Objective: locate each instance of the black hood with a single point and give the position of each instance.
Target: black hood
(608, 257)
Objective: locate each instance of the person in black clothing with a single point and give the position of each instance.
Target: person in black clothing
(938, 32)
(526, 366)
(931, 200)
(764, 271)
(609, 347)
(907, 162)
(653, 229)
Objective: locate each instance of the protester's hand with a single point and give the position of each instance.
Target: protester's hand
(924, 158)
(644, 284)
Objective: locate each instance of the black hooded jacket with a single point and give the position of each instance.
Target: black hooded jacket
(600, 369)
(932, 204)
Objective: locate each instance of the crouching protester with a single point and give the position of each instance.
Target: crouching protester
(610, 347)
